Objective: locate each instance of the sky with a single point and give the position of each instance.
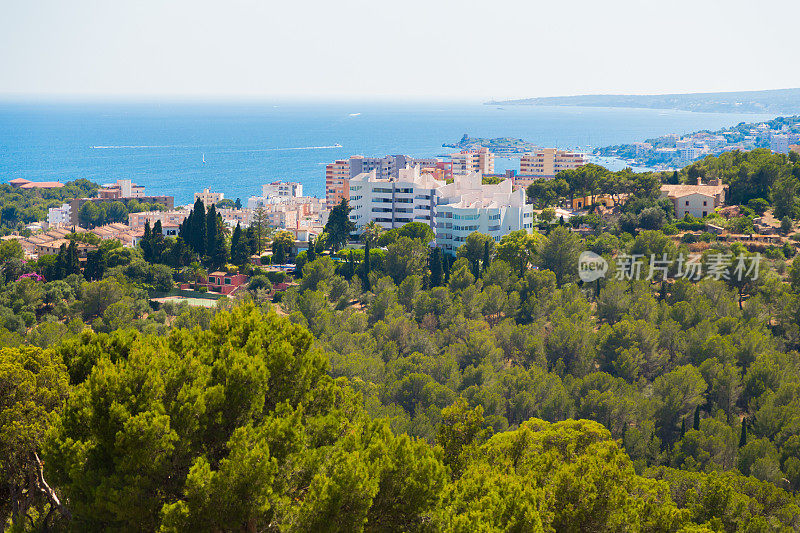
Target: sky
(375, 49)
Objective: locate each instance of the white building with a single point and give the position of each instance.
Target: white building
(282, 188)
(58, 216)
(452, 210)
(393, 202)
(466, 206)
(209, 198)
(545, 163)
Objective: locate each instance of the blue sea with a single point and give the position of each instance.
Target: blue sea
(162, 145)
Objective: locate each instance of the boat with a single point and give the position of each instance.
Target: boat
(204, 159)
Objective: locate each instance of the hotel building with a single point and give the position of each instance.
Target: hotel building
(466, 206)
(120, 189)
(390, 202)
(452, 210)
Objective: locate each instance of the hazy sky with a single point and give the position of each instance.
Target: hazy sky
(461, 49)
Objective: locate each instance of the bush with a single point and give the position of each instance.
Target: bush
(670, 229)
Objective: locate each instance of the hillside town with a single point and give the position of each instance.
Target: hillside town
(674, 151)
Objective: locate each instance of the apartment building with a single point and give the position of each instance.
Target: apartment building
(467, 161)
(120, 189)
(393, 202)
(545, 163)
(58, 216)
(172, 218)
(337, 181)
(466, 206)
(209, 198)
(282, 189)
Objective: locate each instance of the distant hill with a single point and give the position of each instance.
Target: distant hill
(779, 101)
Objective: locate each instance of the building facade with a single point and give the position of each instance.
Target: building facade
(209, 198)
(58, 216)
(337, 181)
(695, 200)
(282, 189)
(466, 206)
(546, 163)
(467, 161)
(390, 202)
(121, 189)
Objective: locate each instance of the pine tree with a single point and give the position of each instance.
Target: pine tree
(436, 267)
(238, 204)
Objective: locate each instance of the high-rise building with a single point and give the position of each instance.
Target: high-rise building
(393, 202)
(452, 210)
(467, 205)
(338, 173)
(545, 163)
(467, 161)
(337, 177)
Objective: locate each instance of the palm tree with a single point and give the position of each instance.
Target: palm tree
(196, 272)
(371, 233)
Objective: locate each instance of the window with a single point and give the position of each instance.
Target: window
(705, 203)
(687, 202)
(705, 213)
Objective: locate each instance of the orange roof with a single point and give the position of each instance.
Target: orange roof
(18, 181)
(218, 274)
(42, 185)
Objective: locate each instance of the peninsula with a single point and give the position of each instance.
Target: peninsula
(779, 101)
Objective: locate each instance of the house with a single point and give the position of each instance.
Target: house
(695, 200)
(224, 282)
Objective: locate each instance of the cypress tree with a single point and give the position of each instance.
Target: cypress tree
(683, 427)
(146, 243)
(61, 262)
(352, 262)
(446, 264)
(696, 425)
(436, 267)
(211, 232)
(74, 266)
(486, 258)
(157, 244)
(366, 266)
(238, 247)
(198, 229)
(311, 254)
(743, 436)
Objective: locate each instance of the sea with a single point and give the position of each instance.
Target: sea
(180, 148)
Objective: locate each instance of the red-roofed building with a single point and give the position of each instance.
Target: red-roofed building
(18, 182)
(225, 283)
(42, 185)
